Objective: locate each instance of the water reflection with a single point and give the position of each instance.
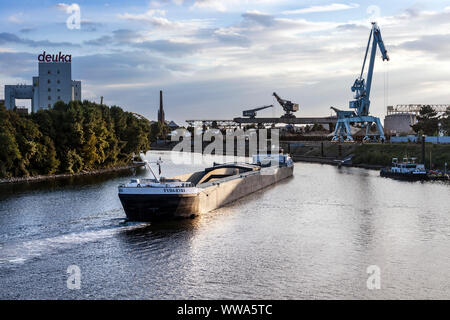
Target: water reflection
(311, 236)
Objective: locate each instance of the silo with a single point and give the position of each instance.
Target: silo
(399, 123)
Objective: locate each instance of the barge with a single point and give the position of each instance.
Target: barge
(191, 194)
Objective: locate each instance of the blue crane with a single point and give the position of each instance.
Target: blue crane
(361, 103)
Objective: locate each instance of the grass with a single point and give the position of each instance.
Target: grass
(382, 154)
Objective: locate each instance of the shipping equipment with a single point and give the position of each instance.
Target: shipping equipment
(287, 105)
(361, 103)
(252, 112)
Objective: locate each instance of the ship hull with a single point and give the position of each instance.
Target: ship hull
(403, 176)
(145, 207)
(156, 207)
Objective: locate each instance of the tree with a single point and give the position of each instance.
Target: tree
(158, 130)
(427, 121)
(70, 138)
(445, 122)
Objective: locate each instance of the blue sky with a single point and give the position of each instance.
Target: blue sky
(214, 59)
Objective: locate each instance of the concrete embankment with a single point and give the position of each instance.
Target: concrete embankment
(368, 155)
(334, 162)
(365, 155)
(68, 175)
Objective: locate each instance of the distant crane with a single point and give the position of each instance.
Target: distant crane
(252, 112)
(287, 105)
(362, 96)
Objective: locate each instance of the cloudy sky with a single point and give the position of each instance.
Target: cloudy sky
(214, 58)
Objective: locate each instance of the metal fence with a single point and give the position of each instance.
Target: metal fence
(444, 139)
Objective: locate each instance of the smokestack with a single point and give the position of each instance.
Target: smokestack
(161, 108)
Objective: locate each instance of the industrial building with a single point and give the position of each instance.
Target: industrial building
(399, 119)
(54, 83)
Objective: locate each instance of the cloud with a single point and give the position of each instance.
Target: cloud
(239, 58)
(324, 8)
(62, 6)
(118, 37)
(438, 44)
(26, 30)
(24, 63)
(172, 48)
(217, 5)
(260, 18)
(101, 41)
(17, 18)
(12, 38)
(90, 26)
(231, 5)
(154, 17)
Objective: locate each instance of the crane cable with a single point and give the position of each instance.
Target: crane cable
(386, 85)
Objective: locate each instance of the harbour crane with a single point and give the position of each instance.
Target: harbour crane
(287, 105)
(252, 112)
(361, 103)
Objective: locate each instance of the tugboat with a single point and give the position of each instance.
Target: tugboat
(191, 194)
(408, 169)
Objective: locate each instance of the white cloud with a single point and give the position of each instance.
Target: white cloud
(62, 6)
(324, 8)
(226, 5)
(17, 18)
(217, 5)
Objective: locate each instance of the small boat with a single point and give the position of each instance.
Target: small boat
(199, 192)
(408, 169)
(438, 175)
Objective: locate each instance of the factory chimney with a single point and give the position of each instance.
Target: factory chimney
(161, 108)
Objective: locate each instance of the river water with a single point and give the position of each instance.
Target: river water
(311, 236)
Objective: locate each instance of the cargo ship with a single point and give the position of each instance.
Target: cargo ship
(191, 194)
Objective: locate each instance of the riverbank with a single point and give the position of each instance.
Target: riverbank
(69, 175)
(368, 155)
(335, 162)
(362, 155)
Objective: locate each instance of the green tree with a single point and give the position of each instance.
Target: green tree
(427, 121)
(70, 138)
(158, 130)
(445, 122)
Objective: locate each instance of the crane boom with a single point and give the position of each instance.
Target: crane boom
(361, 102)
(361, 89)
(252, 112)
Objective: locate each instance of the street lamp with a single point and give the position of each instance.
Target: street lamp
(439, 131)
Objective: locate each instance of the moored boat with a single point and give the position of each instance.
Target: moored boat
(408, 169)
